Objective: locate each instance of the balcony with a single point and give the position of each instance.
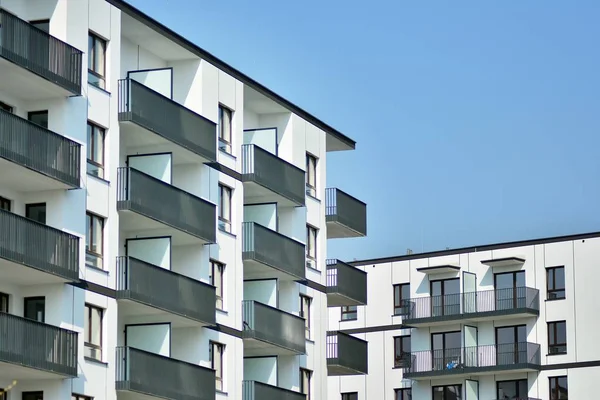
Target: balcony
(38, 65)
(33, 158)
(520, 302)
(160, 295)
(31, 350)
(268, 331)
(253, 390)
(346, 216)
(269, 179)
(346, 355)
(33, 253)
(147, 203)
(155, 376)
(149, 119)
(476, 360)
(269, 254)
(346, 285)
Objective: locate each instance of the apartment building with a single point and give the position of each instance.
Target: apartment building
(163, 217)
(502, 321)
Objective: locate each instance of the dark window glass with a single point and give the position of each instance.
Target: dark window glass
(216, 279)
(35, 308)
(43, 24)
(350, 396)
(225, 193)
(3, 302)
(311, 175)
(311, 244)
(36, 212)
(215, 355)
(449, 392)
(401, 351)
(403, 394)
(555, 283)
(95, 150)
(4, 204)
(305, 302)
(94, 244)
(39, 118)
(557, 337)
(446, 349)
(349, 313)
(445, 297)
(80, 397)
(401, 299)
(512, 389)
(511, 346)
(225, 123)
(93, 332)
(33, 396)
(6, 107)
(558, 388)
(96, 61)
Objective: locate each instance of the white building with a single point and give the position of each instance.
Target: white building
(163, 217)
(512, 320)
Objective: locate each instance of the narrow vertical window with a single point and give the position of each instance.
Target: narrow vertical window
(216, 279)
(93, 332)
(94, 241)
(555, 283)
(305, 377)
(305, 302)
(311, 246)
(225, 193)
(216, 351)
(559, 389)
(401, 297)
(95, 150)
(311, 175)
(557, 337)
(225, 129)
(96, 61)
(401, 351)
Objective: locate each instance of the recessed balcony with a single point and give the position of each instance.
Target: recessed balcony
(35, 65)
(346, 285)
(346, 355)
(254, 390)
(33, 158)
(346, 215)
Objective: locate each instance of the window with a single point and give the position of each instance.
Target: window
(96, 61)
(311, 175)
(95, 150)
(558, 388)
(508, 290)
(349, 313)
(4, 204)
(224, 208)
(305, 313)
(216, 279)
(402, 351)
(555, 283)
(3, 302)
(403, 394)
(33, 396)
(39, 118)
(311, 244)
(512, 389)
(225, 119)
(305, 376)
(557, 337)
(216, 351)
(80, 397)
(94, 244)
(401, 297)
(511, 345)
(35, 308)
(42, 24)
(3, 395)
(446, 349)
(36, 212)
(449, 392)
(6, 107)
(93, 332)
(350, 396)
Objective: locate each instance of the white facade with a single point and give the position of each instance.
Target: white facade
(480, 363)
(147, 270)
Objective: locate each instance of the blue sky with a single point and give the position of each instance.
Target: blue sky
(476, 121)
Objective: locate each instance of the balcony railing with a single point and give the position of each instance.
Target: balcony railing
(253, 390)
(155, 199)
(166, 290)
(346, 285)
(271, 248)
(345, 210)
(36, 345)
(31, 146)
(172, 121)
(346, 355)
(40, 53)
(27, 242)
(271, 325)
(473, 305)
(476, 359)
(273, 173)
(159, 376)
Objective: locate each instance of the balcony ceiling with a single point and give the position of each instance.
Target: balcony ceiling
(22, 179)
(261, 104)
(25, 85)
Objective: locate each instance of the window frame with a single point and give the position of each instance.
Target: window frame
(5, 204)
(26, 300)
(556, 386)
(309, 230)
(31, 114)
(303, 390)
(35, 395)
(402, 303)
(402, 392)
(225, 223)
(306, 302)
(92, 145)
(7, 107)
(90, 226)
(4, 299)
(89, 308)
(217, 266)
(75, 396)
(350, 396)
(552, 271)
(553, 328)
(399, 345)
(219, 373)
(226, 141)
(96, 39)
(345, 311)
(311, 175)
(31, 206)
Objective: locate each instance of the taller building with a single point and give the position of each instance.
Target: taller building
(515, 320)
(163, 217)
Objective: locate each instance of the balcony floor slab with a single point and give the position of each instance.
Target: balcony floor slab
(134, 312)
(19, 274)
(23, 179)
(22, 373)
(22, 84)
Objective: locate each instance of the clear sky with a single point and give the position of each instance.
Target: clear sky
(476, 121)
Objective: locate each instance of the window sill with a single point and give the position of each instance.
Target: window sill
(99, 88)
(309, 340)
(313, 268)
(349, 320)
(560, 298)
(93, 360)
(97, 269)
(556, 354)
(221, 392)
(227, 233)
(98, 178)
(229, 155)
(310, 196)
(224, 312)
